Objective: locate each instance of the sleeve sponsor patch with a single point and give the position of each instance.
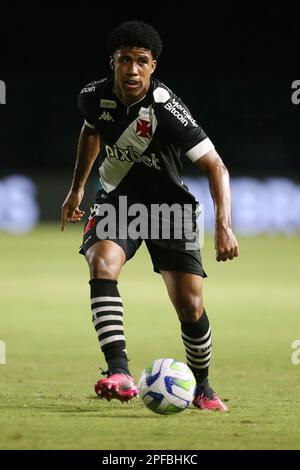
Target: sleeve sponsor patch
(180, 112)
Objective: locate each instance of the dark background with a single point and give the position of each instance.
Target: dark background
(232, 64)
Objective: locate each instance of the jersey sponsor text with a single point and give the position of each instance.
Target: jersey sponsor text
(130, 155)
(180, 113)
(88, 89)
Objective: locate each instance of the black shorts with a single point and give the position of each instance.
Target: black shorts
(166, 254)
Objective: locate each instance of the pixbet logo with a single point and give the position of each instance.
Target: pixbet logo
(130, 155)
(295, 358)
(2, 92)
(296, 94)
(2, 353)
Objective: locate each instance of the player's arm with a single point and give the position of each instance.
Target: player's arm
(225, 242)
(87, 152)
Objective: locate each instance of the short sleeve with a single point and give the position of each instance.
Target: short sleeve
(182, 128)
(86, 104)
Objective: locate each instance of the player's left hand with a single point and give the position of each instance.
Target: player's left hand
(70, 208)
(226, 244)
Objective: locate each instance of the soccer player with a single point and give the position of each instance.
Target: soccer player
(143, 128)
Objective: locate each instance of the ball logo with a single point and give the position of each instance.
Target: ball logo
(167, 386)
(2, 92)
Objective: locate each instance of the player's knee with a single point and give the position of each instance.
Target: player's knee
(190, 309)
(102, 268)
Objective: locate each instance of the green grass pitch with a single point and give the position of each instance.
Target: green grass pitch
(46, 387)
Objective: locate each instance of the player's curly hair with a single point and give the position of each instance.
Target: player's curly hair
(135, 34)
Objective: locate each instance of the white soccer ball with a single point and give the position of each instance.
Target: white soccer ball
(167, 386)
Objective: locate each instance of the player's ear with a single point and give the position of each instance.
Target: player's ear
(154, 64)
(111, 63)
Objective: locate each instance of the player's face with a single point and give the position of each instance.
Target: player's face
(133, 67)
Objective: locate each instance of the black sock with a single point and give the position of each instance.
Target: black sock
(196, 337)
(107, 309)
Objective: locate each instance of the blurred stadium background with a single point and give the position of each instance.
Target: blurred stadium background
(236, 89)
(241, 86)
(252, 121)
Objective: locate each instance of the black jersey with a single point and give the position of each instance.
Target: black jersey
(142, 143)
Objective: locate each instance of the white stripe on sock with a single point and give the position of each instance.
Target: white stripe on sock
(110, 328)
(199, 352)
(196, 360)
(199, 347)
(103, 318)
(197, 366)
(196, 339)
(105, 299)
(109, 308)
(111, 339)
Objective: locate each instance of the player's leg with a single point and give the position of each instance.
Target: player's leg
(185, 292)
(106, 259)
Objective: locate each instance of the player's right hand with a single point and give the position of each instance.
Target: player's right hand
(70, 208)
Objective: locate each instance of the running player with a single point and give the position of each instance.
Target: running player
(143, 128)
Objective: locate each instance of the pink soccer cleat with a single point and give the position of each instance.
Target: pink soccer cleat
(207, 399)
(116, 386)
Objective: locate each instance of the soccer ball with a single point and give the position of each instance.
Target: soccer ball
(167, 386)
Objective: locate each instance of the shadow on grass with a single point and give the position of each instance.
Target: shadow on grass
(90, 406)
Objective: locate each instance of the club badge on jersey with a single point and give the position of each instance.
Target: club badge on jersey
(144, 128)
